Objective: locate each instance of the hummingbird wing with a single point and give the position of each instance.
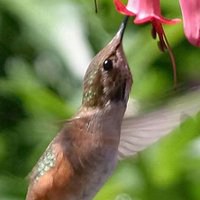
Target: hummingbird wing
(139, 132)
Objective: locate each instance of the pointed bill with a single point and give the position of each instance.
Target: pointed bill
(122, 28)
(117, 39)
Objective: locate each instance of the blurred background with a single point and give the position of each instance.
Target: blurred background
(45, 48)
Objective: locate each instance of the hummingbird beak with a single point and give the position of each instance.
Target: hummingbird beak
(122, 28)
(117, 39)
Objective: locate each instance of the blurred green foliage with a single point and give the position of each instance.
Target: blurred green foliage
(39, 89)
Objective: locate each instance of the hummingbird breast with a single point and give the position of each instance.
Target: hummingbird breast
(79, 159)
(94, 154)
(99, 171)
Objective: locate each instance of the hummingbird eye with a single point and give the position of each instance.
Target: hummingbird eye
(108, 65)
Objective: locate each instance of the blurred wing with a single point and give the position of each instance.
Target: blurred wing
(139, 132)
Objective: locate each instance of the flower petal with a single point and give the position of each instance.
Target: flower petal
(147, 11)
(144, 19)
(120, 7)
(191, 19)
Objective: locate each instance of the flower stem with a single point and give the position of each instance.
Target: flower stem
(95, 6)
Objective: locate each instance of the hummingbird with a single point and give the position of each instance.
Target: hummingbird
(85, 152)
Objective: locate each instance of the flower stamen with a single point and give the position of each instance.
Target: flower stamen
(163, 44)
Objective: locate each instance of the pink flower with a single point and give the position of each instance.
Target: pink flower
(191, 19)
(148, 11)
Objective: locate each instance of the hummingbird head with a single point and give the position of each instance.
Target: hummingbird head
(108, 77)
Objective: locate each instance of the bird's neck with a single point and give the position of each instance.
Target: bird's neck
(107, 119)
